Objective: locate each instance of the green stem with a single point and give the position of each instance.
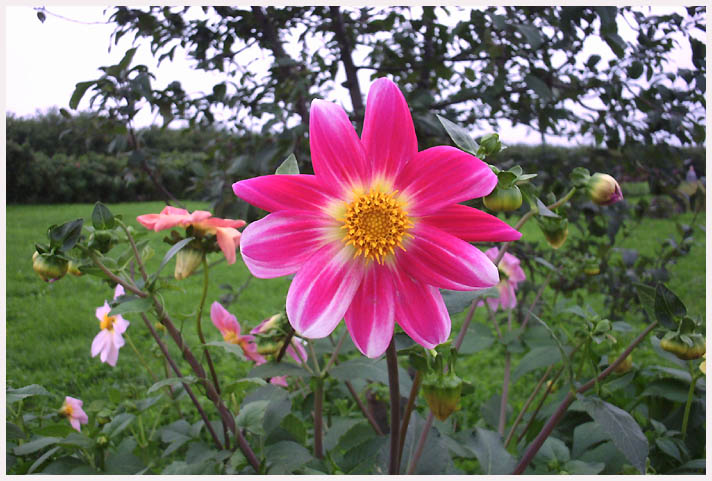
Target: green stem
(206, 281)
(392, 361)
(317, 371)
(318, 419)
(688, 405)
(140, 357)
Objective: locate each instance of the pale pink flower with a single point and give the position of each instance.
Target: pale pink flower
(72, 408)
(225, 230)
(295, 350)
(230, 329)
(507, 285)
(110, 339)
(377, 231)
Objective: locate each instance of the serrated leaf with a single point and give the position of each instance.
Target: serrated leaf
(459, 135)
(133, 304)
(14, 395)
(101, 217)
(623, 430)
(289, 166)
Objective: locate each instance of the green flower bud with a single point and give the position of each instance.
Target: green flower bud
(187, 260)
(102, 241)
(682, 350)
(50, 268)
(504, 200)
(555, 230)
(603, 189)
(73, 269)
(442, 393)
(625, 365)
(591, 268)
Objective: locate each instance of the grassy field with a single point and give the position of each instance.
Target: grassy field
(50, 327)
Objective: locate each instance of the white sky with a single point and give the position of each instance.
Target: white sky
(44, 61)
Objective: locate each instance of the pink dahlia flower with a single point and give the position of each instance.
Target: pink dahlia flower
(225, 230)
(376, 231)
(72, 408)
(295, 350)
(507, 285)
(110, 339)
(230, 329)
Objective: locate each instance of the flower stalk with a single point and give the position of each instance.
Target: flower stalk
(392, 360)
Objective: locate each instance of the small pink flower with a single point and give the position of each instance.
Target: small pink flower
(376, 231)
(72, 408)
(295, 350)
(230, 329)
(507, 285)
(225, 230)
(110, 339)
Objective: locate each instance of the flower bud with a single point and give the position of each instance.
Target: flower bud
(682, 350)
(625, 365)
(50, 268)
(504, 200)
(101, 240)
(187, 260)
(603, 189)
(442, 392)
(555, 230)
(703, 368)
(591, 268)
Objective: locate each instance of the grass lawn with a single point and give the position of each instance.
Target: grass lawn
(50, 327)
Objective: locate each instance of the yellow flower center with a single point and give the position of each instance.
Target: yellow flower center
(66, 410)
(375, 225)
(107, 322)
(233, 338)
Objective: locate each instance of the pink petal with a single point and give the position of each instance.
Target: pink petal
(120, 324)
(296, 351)
(111, 355)
(370, 317)
(442, 260)
(420, 311)
(117, 340)
(507, 297)
(388, 133)
(493, 303)
(281, 192)
(228, 239)
(471, 225)
(281, 242)
(510, 265)
(99, 342)
(223, 320)
(338, 157)
(75, 424)
(322, 291)
(102, 311)
(218, 222)
(440, 176)
(279, 381)
(119, 291)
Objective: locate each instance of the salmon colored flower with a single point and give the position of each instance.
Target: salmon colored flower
(295, 350)
(510, 275)
(110, 339)
(225, 230)
(72, 408)
(375, 233)
(230, 329)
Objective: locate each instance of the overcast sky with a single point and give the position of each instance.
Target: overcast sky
(44, 61)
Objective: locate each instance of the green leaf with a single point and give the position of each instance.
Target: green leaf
(459, 135)
(617, 44)
(171, 252)
(285, 457)
(478, 338)
(101, 217)
(13, 431)
(77, 439)
(646, 296)
(539, 86)
(64, 237)
(553, 449)
(42, 459)
(123, 460)
(338, 428)
(581, 468)
(35, 445)
(372, 369)
(273, 369)
(275, 412)
(289, 166)
(635, 70)
(79, 91)
(667, 446)
(229, 347)
(457, 301)
(128, 58)
(532, 34)
(172, 381)
(621, 427)
(536, 358)
(587, 435)
(132, 304)
(490, 452)
(118, 424)
(251, 415)
(670, 389)
(669, 309)
(14, 395)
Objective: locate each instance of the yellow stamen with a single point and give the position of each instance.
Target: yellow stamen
(66, 410)
(107, 322)
(375, 223)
